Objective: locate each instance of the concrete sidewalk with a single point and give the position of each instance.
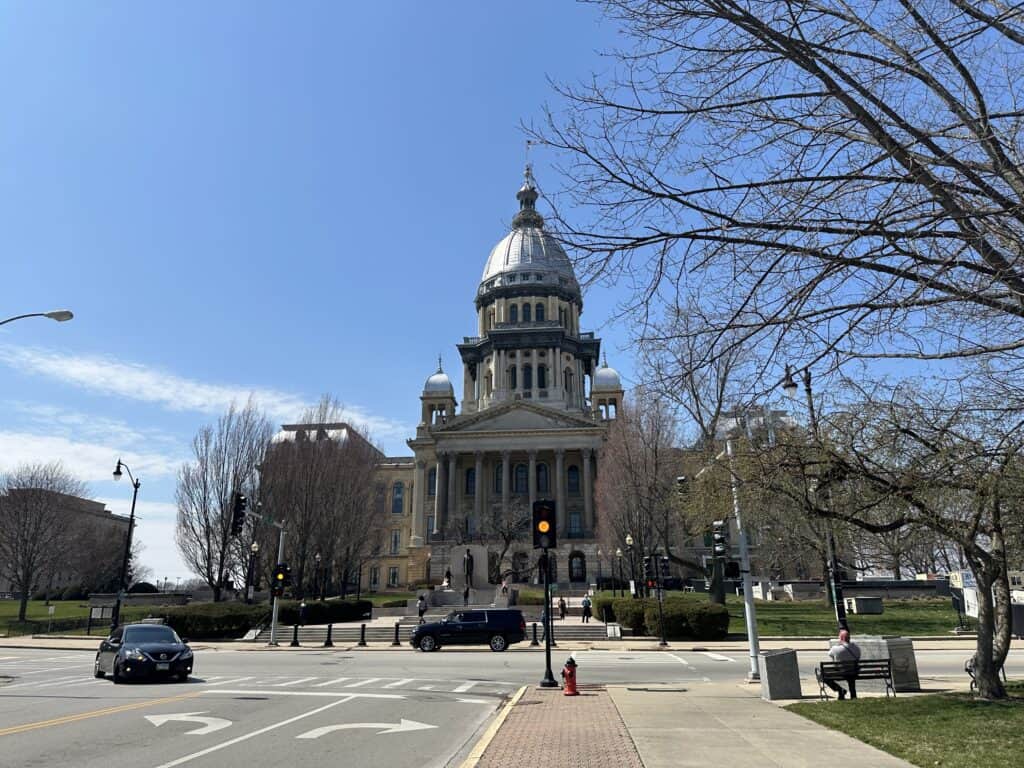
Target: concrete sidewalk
(692, 726)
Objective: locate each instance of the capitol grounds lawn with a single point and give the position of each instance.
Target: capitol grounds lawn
(942, 729)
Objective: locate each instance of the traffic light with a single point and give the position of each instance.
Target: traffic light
(238, 507)
(720, 538)
(649, 568)
(664, 568)
(544, 524)
(281, 578)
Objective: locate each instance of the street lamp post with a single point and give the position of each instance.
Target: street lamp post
(250, 581)
(632, 574)
(618, 562)
(599, 555)
(317, 591)
(60, 315)
(835, 585)
(115, 617)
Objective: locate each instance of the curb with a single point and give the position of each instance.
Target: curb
(481, 746)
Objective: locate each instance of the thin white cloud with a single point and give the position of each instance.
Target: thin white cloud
(88, 461)
(110, 376)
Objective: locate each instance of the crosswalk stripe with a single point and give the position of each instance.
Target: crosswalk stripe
(465, 686)
(295, 682)
(331, 682)
(61, 681)
(231, 681)
(38, 684)
(361, 683)
(681, 660)
(400, 683)
(717, 656)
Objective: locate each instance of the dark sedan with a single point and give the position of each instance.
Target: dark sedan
(144, 651)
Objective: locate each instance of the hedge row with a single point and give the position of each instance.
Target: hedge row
(685, 617)
(210, 621)
(325, 612)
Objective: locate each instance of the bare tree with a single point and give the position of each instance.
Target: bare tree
(505, 530)
(227, 457)
(35, 534)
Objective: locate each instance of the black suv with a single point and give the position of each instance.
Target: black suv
(497, 628)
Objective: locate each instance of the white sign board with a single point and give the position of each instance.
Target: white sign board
(51, 609)
(971, 602)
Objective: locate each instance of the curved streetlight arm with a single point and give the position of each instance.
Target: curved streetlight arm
(60, 315)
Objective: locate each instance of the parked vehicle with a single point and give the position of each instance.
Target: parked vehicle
(142, 651)
(498, 628)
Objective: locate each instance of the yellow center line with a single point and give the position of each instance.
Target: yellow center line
(95, 713)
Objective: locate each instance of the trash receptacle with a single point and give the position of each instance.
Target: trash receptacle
(780, 675)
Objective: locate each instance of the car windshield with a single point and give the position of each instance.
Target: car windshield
(154, 634)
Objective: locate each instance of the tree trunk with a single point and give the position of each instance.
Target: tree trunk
(216, 593)
(986, 672)
(827, 581)
(23, 605)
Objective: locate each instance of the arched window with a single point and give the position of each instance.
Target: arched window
(470, 489)
(577, 567)
(513, 313)
(397, 498)
(526, 313)
(573, 480)
(521, 479)
(542, 376)
(542, 478)
(527, 377)
(511, 377)
(432, 481)
(497, 477)
(490, 319)
(538, 313)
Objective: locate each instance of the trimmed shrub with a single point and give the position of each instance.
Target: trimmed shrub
(629, 612)
(530, 598)
(708, 621)
(210, 621)
(690, 618)
(677, 623)
(326, 612)
(143, 587)
(393, 604)
(77, 592)
(603, 608)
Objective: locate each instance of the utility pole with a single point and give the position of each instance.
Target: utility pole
(749, 611)
(280, 558)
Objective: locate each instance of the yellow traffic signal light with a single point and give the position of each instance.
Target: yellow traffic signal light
(544, 524)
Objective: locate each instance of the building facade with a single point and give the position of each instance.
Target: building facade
(535, 403)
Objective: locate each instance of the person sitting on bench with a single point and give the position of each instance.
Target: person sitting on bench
(845, 652)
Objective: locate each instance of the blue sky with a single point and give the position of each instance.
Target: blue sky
(280, 198)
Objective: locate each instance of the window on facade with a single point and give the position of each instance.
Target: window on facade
(470, 525)
(397, 498)
(542, 376)
(432, 481)
(470, 488)
(575, 523)
(526, 313)
(430, 524)
(513, 313)
(538, 313)
(497, 477)
(577, 567)
(542, 478)
(527, 377)
(490, 319)
(512, 377)
(561, 317)
(393, 576)
(396, 541)
(374, 577)
(567, 383)
(521, 479)
(573, 479)
(380, 499)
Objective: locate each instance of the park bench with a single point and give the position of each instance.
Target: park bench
(840, 671)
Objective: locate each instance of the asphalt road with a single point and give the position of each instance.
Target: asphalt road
(312, 707)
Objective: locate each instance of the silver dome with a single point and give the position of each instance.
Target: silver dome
(606, 380)
(439, 384)
(528, 253)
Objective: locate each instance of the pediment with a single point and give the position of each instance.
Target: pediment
(518, 417)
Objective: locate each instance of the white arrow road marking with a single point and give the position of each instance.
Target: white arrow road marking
(401, 727)
(210, 724)
(717, 656)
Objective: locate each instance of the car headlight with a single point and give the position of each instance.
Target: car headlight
(186, 654)
(135, 653)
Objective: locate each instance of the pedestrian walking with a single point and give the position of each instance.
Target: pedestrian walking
(504, 586)
(543, 623)
(586, 609)
(421, 607)
(465, 597)
(561, 608)
(848, 653)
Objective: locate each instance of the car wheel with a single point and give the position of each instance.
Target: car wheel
(115, 675)
(428, 643)
(498, 643)
(97, 672)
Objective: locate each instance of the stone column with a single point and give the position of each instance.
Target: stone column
(519, 370)
(506, 482)
(438, 493)
(561, 517)
(419, 490)
(451, 498)
(588, 493)
(478, 486)
(535, 362)
(532, 479)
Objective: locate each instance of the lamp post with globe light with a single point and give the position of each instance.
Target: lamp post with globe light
(618, 562)
(250, 581)
(632, 572)
(122, 587)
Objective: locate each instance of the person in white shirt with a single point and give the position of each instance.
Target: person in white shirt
(845, 652)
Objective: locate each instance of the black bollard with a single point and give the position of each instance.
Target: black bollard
(396, 636)
(295, 636)
(534, 634)
(362, 634)
(551, 629)
(328, 643)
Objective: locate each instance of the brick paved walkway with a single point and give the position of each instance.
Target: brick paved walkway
(549, 730)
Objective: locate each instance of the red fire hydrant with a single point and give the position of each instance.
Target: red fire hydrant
(569, 676)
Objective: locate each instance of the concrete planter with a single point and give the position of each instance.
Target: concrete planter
(780, 675)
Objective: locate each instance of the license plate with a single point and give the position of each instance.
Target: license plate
(162, 666)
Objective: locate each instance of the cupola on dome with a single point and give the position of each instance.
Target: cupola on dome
(439, 383)
(606, 379)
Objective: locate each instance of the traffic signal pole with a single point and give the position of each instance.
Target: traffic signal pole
(749, 611)
(280, 558)
(549, 679)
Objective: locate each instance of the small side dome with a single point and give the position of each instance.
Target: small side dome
(606, 379)
(439, 383)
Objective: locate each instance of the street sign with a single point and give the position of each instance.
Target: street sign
(400, 727)
(210, 724)
(51, 609)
